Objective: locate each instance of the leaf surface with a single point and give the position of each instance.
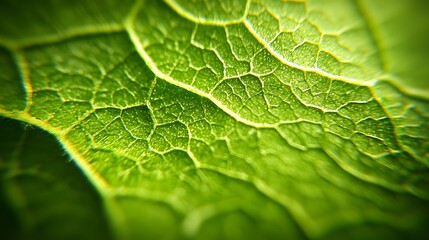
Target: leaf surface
(230, 119)
(44, 194)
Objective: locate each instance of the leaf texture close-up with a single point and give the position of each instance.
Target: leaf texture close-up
(212, 119)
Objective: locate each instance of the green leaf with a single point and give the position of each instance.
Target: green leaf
(217, 119)
(41, 186)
